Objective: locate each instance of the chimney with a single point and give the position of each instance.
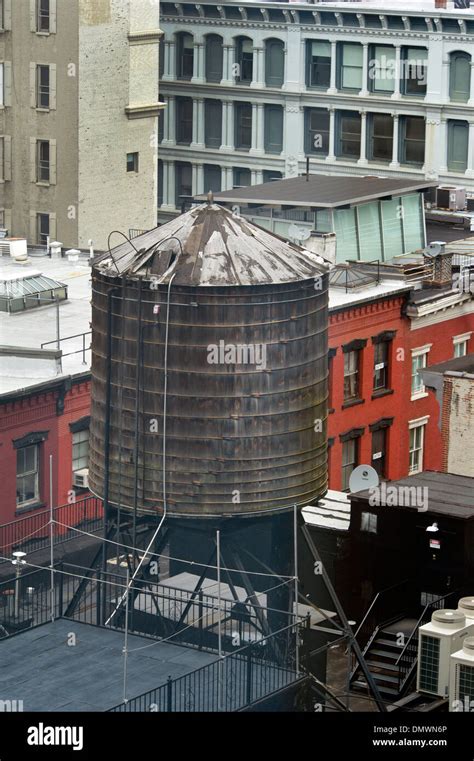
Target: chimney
(442, 263)
(441, 3)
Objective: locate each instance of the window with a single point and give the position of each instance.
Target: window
(244, 59)
(415, 71)
(380, 137)
(418, 362)
(460, 77)
(1, 15)
(184, 184)
(351, 375)
(271, 175)
(274, 63)
(416, 448)
(2, 84)
(382, 68)
(212, 178)
(42, 229)
(368, 522)
(379, 448)
(273, 129)
(349, 135)
(319, 64)
(381, 365)
(2, 219)
(214, 58)
(160, 182)
(350, 66)
(184, 120)
(317, 131)
(412, 147)
(184, 56)
(243, 126)
(460, 344)
(213, 123)
(43, 161)
(2, 160)
(80, 450)
(27, 475)
(241, 177)
(350, 460)
(132, 162)
(42, 86)
(43, 16)
(458, 140)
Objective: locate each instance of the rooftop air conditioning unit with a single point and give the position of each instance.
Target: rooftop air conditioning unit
(450, 197)
(461, 682)
(437, 640)
(81, 478)
(466, 607)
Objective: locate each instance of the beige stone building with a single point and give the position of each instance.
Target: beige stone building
(78, 118)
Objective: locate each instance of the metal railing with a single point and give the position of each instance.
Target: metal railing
(69, 338)
(32, 532)
(408, 657)
(231, 683)
(384, 603)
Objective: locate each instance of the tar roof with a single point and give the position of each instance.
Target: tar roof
(218, 248)
(457, 366)
(448, 494)
(320, 191)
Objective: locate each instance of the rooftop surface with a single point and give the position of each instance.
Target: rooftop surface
(33, 327)
(448, 494)
(459, 366)
(331, 512)
(48, 674)
(320, 191)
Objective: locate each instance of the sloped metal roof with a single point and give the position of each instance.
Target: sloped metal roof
(210, 246)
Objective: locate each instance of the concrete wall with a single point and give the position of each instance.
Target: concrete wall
(460, 430)
(116, 74)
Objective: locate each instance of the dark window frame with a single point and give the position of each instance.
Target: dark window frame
(243, 126)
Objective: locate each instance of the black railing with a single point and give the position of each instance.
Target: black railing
(389, 604)
(230, 683)
(69, 338)
(409, 655)
(32, 532)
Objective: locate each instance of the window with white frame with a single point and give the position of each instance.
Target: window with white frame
(368, 523)
(419, 358)
(43, 10)
(416, 445)
(80, 450)
(2, 86)
(42, 86)
(460, 344)
(2, 12)
(27, 475)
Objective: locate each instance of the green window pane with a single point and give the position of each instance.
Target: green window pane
(460, 77)
(392, 228)
(458, 138)
(351, 67)
(273, 129)
(382, 68)
(346, 235)
(412, 222)
(370, 235)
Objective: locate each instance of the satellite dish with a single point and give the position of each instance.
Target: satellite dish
(299, 233)
(363, 477)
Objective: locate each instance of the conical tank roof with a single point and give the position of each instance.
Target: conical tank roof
(211, 246)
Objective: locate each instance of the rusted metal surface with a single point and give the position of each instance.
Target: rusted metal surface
(242, 437)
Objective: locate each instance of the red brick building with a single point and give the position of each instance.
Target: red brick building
(380, 412)
(51, 418)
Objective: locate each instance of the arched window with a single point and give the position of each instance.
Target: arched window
(459, 76)
(213, 58)
(184, 55)
(244, 59)
(274, 63)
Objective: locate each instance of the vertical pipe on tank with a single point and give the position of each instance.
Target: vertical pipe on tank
(137, 412)
(108, 393)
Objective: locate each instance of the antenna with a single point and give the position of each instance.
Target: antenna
(363, 477)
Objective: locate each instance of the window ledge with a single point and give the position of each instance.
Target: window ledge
(42, 110)
(421, 395)
(331, 410)
(352, 403)
(382, 392)
(42, 34)
(144, 110)
(27, 508)
(43, 184)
